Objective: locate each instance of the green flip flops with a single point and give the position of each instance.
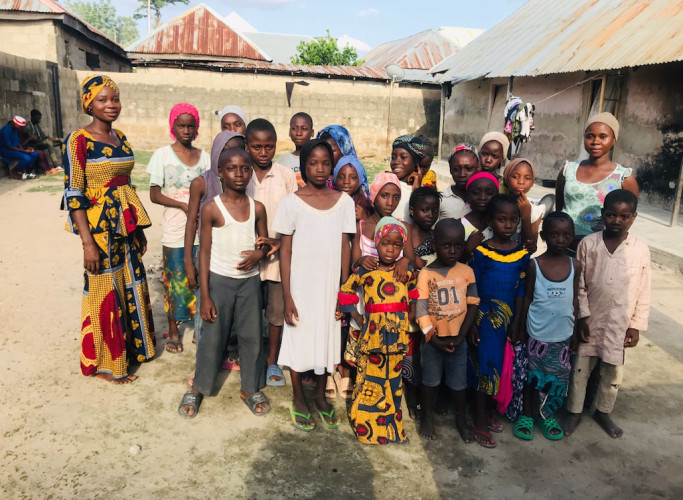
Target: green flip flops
(307, 418)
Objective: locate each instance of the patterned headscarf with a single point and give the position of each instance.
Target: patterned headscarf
(181, 109)
(381, 180)
(342, 137)
(464, 147)
(507, 173)
(414, 145)
(235, 110)
(355, 163)
(388, 225)
(92, 86)
(213, 184)
(483, 175)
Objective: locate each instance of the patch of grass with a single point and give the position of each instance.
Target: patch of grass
(372, 168)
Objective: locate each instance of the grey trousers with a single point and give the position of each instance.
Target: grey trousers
(238, 304)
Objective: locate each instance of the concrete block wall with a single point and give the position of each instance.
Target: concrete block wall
(149, 93)
(23, 86)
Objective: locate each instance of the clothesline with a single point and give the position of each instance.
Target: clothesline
(570, 87)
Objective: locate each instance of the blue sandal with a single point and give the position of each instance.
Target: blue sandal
(275, 371)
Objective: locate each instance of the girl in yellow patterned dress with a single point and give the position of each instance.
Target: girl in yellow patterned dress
(105, 211)
(375, 414)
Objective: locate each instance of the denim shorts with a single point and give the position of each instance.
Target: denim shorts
(436, 364)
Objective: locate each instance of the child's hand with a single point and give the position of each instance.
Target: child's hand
(516, 334)
(368, 262)
(524, 206)
(208, 309)
(338, 315)
(191, 273)
(444, 344)
(530, 246)
(91, 257)
(415, 179)
(401, 269)
(584, 332)
(475, 239)
(252, 258)
(473, 336)
(274, 244)
(632, 337)
(291, 313)
(185, 208)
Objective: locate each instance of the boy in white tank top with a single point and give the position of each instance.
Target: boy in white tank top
(230, 286)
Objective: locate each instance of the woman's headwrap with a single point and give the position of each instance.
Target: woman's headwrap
(213, 184)
(92, 86)
(606, 118)
(464, 147)
(381, 180)
(500, 138)
(360, 169)
(414, 145)
(342, 137)
(507, 173)
(236, 110)
(483, 175)
(182, 109)
(388, 225)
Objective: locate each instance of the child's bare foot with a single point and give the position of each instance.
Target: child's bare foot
(117, 381)
(173, 343)
(570, 423)
(464, 429)
(607, 424)
(427, 427)
(412, 412)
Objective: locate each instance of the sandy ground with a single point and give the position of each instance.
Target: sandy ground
(66, 436)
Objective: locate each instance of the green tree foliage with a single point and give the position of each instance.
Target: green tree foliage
(324, 51)
(102, 15)
(155, 6)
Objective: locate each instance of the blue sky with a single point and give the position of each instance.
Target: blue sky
(371, 22)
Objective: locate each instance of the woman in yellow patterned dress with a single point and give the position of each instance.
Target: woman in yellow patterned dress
(116, 321)
(375, 413)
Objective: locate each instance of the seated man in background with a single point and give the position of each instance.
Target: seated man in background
(12, 149)
(37, 139)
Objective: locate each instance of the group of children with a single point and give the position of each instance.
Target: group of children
(438, 291)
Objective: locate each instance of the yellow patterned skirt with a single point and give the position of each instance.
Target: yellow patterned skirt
(117, 322)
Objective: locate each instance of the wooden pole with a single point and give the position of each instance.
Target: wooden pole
(441, 120)
(603, 84)
(149, 16)
(391, 97)
(677, 200)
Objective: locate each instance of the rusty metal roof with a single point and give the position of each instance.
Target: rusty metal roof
(420, 51)
(546, 36)
(199, 32)
(46, 6)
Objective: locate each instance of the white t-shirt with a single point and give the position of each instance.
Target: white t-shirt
(174, 177)
(452, 205)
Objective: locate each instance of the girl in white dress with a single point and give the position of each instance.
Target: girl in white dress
(315, 223)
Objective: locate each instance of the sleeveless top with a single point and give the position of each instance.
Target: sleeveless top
(582, 201)
(367, 245)
(229, 240)
(551, 313)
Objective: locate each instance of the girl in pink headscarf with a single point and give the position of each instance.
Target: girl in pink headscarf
(172, 168)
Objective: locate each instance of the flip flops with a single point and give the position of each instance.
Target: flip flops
(522, 424)
(330, 416)
(494, 425)
(307, 418)
(330, 387)
(344, 385)
(275, 371)
(547, 426)
(484, 438)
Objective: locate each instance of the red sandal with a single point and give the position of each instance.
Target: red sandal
(484, 438)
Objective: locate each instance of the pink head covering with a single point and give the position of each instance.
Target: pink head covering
(381, 180)
(181, 109)
(483, 175)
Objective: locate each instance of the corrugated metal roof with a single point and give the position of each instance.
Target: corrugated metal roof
(420, 51)
(280, 48)
(199, 31)
(546, 36)
(45, 6)
(360, 72)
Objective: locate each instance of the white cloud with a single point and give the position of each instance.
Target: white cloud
(370, 11)
(360, 46)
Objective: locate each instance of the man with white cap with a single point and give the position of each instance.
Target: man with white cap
(11, 149)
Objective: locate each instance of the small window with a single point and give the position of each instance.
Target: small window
(92, 60)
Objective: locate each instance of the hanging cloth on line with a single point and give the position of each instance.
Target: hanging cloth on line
(519, 122)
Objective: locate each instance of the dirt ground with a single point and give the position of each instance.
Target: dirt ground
(67, 436)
